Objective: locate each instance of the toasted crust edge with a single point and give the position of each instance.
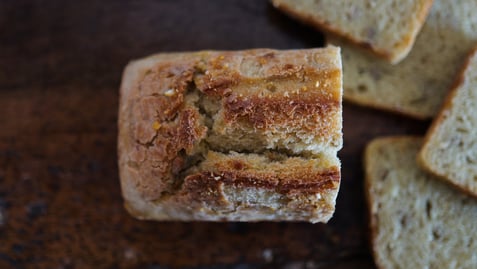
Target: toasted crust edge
(394, 57)
(446, 105)
(367, 155)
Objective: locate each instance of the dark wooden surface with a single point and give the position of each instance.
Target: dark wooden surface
(60, 202)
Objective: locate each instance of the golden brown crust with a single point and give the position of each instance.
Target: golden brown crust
(205, 186)
(283, 185)
(391, 56)
(266, 112)
(170, 104)
(447, 104)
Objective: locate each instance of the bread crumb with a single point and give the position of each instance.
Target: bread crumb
(156, 125)
(317, 84)
(170, 92)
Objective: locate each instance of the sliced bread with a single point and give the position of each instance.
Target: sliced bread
(418, 85)
(450, 148)
(416, 220)
(388, 28)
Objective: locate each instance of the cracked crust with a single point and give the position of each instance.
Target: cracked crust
(245, 136)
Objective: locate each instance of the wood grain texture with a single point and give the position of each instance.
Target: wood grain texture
(60, 202)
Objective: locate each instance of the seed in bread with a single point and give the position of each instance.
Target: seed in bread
(388, 28)
(417, 86)
(242, 136)
(416, 220)
(450, 149)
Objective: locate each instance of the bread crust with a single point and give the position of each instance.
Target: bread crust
(393, 56)
(447, 104)
(175, 107)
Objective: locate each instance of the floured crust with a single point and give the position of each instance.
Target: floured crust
(394, 53)
(248, 135)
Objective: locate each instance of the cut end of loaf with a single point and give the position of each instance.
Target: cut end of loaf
(243, 136)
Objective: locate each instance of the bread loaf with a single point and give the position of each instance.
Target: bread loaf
(232, 135)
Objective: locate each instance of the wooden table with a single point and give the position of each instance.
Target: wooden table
(60, 201)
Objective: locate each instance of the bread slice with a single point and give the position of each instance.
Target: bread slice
(450, 149)
(418, 85)
(416, 220)
(388, 28)
(232, 135)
